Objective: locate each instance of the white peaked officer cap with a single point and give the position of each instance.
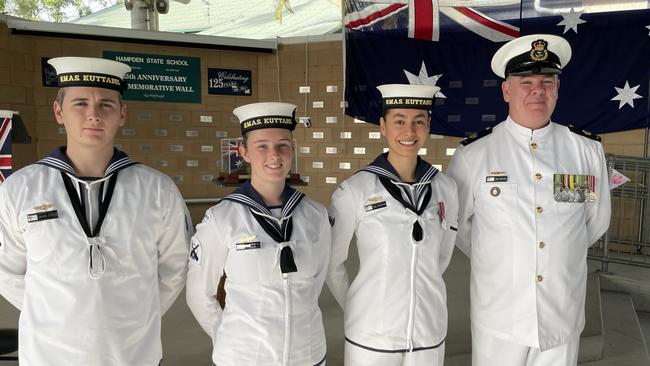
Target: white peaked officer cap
(407, 96)
(266, 115)
(535, 54)
(90, 71)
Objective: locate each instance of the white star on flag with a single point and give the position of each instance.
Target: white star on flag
(648, 28)
(626, 95)
(424, 79)
(571, 21)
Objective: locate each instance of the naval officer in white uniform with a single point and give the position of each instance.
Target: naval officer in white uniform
(526, 239)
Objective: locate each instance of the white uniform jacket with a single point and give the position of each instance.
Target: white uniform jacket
(67, 317)
(269, 318)
(398, 301)
(527, 244)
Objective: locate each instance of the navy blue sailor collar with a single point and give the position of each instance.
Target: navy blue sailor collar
(424, 172)
(248, 196)
(59, 160)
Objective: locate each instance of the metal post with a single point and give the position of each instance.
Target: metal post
(144, 16)
(605, 266)
(606, 237)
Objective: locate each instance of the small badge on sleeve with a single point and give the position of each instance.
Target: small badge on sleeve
(196, 252)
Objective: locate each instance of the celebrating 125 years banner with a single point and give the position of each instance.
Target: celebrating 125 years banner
(229, 82)
(161, 78)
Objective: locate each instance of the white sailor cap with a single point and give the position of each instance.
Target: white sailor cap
(90, 71)
(7, 114)
(407, 96)
(539, 54)
(266, 115)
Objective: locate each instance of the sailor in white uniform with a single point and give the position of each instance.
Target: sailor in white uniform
(93, 245)
(273, 244)
(534, 195)
(403, 213)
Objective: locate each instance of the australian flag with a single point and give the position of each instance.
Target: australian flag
(450, 43)
(5, 145)
(235, 160)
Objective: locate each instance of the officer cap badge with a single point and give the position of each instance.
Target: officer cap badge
(539, 51)
(535, 54)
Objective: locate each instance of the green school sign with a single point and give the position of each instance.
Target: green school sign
(161, 78)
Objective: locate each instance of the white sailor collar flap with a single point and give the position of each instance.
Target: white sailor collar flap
(59, 161)
(424, 172)
(248, 196)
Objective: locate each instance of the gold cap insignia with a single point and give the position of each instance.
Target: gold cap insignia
(43, 207)
(248, 238)
(539, 51)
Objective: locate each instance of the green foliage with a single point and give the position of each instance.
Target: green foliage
(52, 10)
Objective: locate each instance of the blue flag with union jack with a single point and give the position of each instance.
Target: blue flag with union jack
(450, 43)
(235, 160)
(5, 145)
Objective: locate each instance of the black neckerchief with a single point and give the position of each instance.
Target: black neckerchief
(417, 203)
(58, 160)
(279, 230)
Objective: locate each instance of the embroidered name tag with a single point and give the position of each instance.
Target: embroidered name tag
(374, 206)
(42, 216)
(250, 245)
(496, 178)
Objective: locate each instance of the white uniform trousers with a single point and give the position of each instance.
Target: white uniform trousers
(488, 350)
(358, 356)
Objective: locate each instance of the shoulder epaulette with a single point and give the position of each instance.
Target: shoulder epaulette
(474, 137)
(584, 133)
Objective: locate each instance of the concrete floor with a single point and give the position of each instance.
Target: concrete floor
(184, 342)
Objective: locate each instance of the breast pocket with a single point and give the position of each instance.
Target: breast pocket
(306, 253)
(40, 240)
(252, 262)
(58, 246)
(433, 227)
(571, 213)
(498, 201)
